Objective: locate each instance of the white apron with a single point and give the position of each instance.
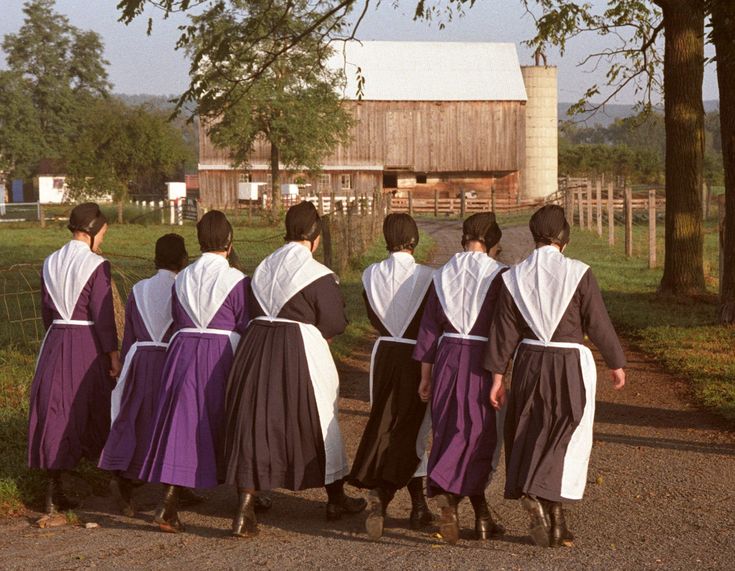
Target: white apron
(395, 289)
(201, 289)
(65, 273)
(153, 300)
(276, 280)
(542, 286)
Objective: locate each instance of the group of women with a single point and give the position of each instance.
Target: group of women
(230, 379)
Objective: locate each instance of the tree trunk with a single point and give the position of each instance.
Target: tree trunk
(723, 36)
(120, 211)
(275, 185)
(684, 120)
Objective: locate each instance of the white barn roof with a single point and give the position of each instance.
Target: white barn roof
(431, 71)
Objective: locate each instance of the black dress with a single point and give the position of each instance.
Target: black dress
(387, 455)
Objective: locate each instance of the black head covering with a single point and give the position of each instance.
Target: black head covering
(171, 252)
(401, 232)
(549, 225)
(214, 232)
(88, 218)
(302, 223)
(481, 227)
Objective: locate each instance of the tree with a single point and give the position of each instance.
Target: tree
(60, 69)
(22, 143)
(121, 150)
(723, 36)
(293, 104)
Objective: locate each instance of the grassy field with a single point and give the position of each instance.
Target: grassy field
(682, 334)
(130, 249)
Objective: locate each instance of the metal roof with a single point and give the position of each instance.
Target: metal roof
(431, 71)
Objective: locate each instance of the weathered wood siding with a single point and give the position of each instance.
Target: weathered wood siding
(420, 136)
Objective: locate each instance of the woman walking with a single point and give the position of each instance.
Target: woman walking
(450, 346)
(78, 360)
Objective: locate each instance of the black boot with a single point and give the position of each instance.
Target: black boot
(378, 500)
(123, 489)
(167, 513)
(189, 497)
(448, 518)
(560, 534)
(540, 526)
(245, 524)
(56, 500)
(421, 515)
(339, 503)
(485, 526)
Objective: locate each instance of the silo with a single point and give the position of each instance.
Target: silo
(539, 178)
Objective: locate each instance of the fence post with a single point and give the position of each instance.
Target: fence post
(41, 215)
(410, 203)
(589, 205)
(628, 221)
(580, 200)
(492, 199)
(462, 204)
(652, 228)
(569, 206)
(436, 203)
(610, 214)
(161, 205)
(320, 197)
(598, 189)
(327, 241)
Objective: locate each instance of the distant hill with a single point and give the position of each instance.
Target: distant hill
(616, 111)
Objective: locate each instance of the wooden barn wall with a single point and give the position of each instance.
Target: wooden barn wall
(422, 136)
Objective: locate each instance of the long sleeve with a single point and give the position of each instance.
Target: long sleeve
(504, 335)
(596, 323)
(129, 336)
(240, 305)
(430, 329)
(101, 308)
(329, 304)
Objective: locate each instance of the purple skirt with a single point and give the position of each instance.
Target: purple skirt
(69, 412)
(188, 435)
(130, 434)
(463, 422)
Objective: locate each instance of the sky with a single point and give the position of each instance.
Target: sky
(150, 64)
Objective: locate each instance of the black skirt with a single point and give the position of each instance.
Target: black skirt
(545, 405)
(273, 436)
(387, 451)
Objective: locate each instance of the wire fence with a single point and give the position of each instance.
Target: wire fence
(348, 232)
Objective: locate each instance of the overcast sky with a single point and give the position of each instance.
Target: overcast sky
(150, 64)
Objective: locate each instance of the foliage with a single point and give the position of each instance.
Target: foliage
(121, 150)
(58, 69)
(633, 146)
(22, 143)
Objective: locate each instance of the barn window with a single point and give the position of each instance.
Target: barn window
(346, 181)
(420, 178)
(244, 177)
(324, 182)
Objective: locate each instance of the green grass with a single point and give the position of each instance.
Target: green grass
(680, 333)
(130, 248)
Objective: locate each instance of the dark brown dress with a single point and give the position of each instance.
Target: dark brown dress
(547, 395)
(273, 436)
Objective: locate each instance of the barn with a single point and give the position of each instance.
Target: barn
(433, 117)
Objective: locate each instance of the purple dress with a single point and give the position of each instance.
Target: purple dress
(188, 437)
(131, 431)
(463, 422)
(69, 416)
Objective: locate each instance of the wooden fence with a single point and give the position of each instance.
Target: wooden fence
(461, 206)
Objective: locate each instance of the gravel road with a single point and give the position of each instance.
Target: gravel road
(660, 496)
